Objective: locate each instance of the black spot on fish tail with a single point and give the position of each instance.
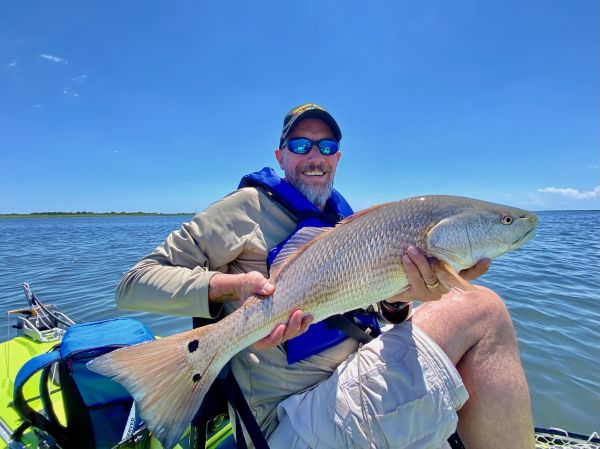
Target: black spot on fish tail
(196, 377)
(193, 345)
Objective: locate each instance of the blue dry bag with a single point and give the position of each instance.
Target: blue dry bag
(96, 408)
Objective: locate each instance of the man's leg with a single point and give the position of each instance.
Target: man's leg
(476, 332)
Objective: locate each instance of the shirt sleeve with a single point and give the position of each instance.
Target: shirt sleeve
(174, 278)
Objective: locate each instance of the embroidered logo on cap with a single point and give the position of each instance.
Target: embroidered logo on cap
(300, 109)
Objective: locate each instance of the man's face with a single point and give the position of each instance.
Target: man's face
(312, 174)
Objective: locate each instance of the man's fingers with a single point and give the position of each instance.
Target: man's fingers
(424, 285)
(422, 264)
(259, 285)
(410, 268)
(307, 318)
(298, 323)
(273, 339)
(294, 325)
(266, 289)
(417, 284)
(415, 277)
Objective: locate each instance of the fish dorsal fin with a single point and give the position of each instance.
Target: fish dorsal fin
(362, 212)
(294, 246)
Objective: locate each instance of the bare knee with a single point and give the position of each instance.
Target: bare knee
(464, 309)
(461, 320)
(491, 308)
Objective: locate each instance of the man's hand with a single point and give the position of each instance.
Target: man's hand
(254, 284)
(424, 285)
(238, 287)
(297, 324)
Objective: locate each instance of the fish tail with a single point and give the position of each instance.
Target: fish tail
(168, 378)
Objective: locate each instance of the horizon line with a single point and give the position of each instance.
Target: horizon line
(9, 214)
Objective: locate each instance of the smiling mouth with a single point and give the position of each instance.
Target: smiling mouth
(313, 173)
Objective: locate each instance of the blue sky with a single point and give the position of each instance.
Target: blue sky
(163, 106)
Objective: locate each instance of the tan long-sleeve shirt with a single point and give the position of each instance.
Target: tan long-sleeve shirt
(233, 235)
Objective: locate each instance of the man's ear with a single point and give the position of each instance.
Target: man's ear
(279, 157)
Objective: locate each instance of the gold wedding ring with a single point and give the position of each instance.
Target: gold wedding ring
(432, 286)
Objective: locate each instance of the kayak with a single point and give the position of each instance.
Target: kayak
(553, 437)
(40, 329)
(37, 336)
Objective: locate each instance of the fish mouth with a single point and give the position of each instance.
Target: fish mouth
(524, 238)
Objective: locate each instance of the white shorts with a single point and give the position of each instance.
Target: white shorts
(399, 391)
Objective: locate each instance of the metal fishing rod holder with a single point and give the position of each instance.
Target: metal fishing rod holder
(40, 322)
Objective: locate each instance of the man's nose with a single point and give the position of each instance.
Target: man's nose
(314, 152)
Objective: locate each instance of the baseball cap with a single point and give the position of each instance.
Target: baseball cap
(308, 110)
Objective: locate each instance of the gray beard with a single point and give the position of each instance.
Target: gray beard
(316, 195)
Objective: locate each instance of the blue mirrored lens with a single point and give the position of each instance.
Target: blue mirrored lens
(300, 146)
(327, 147)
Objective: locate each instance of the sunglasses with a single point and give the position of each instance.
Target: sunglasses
(302, 145)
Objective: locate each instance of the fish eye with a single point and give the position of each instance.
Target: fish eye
(507, 219)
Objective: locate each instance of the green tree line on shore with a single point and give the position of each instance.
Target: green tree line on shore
(87, 214)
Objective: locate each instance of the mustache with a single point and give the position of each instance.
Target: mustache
(311, 167)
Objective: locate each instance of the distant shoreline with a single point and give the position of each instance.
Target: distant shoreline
(93, 214)
(160, 214)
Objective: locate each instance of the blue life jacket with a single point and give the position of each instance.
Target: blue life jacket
(321, 335)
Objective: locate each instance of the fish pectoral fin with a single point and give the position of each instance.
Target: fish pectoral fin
(450, 278)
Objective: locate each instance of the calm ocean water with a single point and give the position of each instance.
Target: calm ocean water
(551, 286)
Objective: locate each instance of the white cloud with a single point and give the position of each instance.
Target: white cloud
(53, 58)
(68, 91)
(12, 65)
(535, 200)
(79, 79)
(572, 193)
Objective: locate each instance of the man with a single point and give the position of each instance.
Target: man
(402, 390)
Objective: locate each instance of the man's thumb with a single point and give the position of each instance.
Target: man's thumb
(267, 289)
